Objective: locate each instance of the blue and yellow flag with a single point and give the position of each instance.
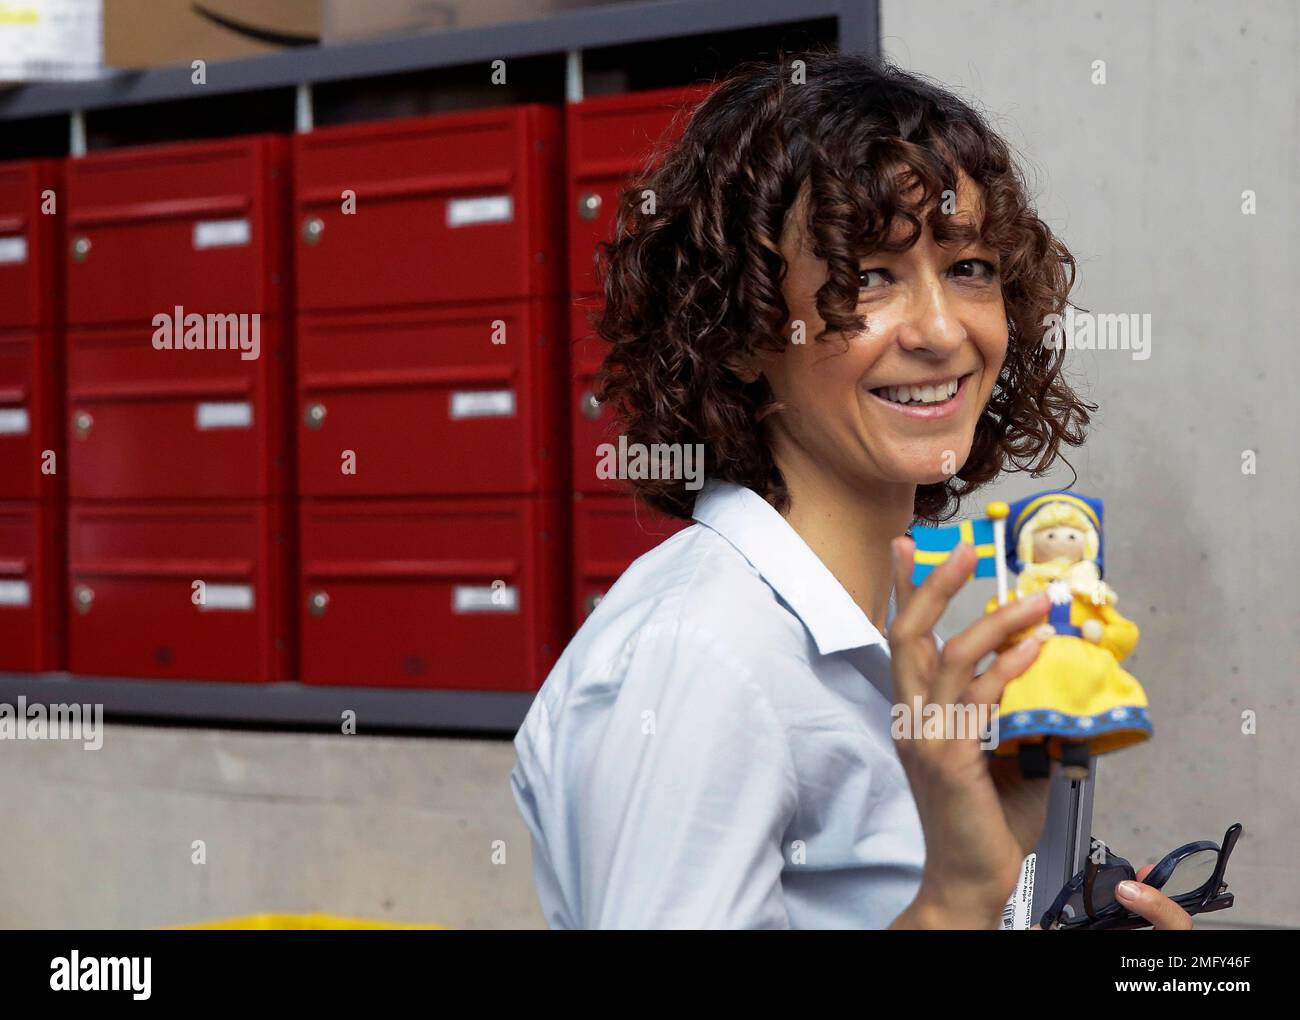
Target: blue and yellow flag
(934, 545)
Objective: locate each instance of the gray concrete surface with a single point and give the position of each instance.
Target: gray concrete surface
(395, 829)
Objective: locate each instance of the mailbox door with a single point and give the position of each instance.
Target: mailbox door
(190, 591)
(460, 594)
(463, 400)
(194, 226)
(31, 606)
(452, 208)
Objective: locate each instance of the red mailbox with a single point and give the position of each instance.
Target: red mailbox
(454, 400)
(430, 210)
(591, 424)
(32, 615)
(180, 590)
(29, 215)
(167, 424)
(609, 140)
(178, 371)
(195, 226)
(609, 532)
(31, 427)
(31, 416)
(461, 594)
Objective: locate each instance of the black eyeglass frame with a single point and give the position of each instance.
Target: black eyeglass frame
(1210, 896)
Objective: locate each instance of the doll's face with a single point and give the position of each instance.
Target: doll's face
(1058, 542)
(898, 402)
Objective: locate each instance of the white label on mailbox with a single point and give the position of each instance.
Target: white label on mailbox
(483, 404)
(12, 250)
(235, 414)
(15, 593)
(222, 233)
(14, 421)
(465, 212)
(485, 598)
(237, 597)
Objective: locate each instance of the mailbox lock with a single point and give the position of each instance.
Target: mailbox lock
(312, 228)
(84, 598)
(80, 249)
(317, 602)
(588, 205)
(81, 423)
(589, 405)
(314, 416)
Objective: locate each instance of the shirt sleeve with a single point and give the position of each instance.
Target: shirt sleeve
(689, 793)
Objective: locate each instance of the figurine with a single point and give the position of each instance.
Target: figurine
(1075, 700)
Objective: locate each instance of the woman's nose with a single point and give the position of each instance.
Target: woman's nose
(932, 325)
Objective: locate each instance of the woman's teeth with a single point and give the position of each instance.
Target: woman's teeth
(919, 394)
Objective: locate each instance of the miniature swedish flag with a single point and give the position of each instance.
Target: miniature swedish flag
(934, 545)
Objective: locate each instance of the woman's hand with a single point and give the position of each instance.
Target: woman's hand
(980, 820)
(1163, 913)
(1155, 906)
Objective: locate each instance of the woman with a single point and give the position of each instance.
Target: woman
(836, 295)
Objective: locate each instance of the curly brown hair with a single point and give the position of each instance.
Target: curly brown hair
(695, 286)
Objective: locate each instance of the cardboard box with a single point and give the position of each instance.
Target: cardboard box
(50, 40)
(350, 20)
(156, 33)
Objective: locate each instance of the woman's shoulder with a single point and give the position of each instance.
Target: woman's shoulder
(693, 602)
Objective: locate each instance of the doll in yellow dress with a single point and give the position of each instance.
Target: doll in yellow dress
(1075, 700)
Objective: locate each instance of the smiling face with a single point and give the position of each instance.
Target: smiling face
(899, 406)
(1058, 541)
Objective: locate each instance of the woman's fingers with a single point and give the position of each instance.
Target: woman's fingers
(988, 686)
(903, 549)
(919, 609)
(912, 648)
(989, 633)
(1163, 913)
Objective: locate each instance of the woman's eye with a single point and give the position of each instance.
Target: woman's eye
(865, 281)
(975, 269)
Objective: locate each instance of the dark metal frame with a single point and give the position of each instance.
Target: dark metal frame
(555, 34)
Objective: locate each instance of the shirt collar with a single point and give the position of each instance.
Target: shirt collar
(788, 565)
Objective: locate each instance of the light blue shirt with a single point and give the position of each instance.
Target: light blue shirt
(713, 748)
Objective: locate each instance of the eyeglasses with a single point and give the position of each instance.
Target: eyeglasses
(1191, 876)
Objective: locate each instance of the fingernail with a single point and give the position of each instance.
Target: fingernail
(1127, 890)
(1026, 644)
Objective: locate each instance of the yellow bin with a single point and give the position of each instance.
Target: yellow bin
(304, 922)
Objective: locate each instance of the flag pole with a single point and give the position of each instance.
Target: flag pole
(998, 512)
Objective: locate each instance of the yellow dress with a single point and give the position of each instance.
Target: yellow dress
(1076, 691)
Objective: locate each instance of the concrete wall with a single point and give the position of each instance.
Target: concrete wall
(1143, 178)
(397, 829)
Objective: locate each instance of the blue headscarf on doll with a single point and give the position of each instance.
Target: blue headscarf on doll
(1023, 510)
